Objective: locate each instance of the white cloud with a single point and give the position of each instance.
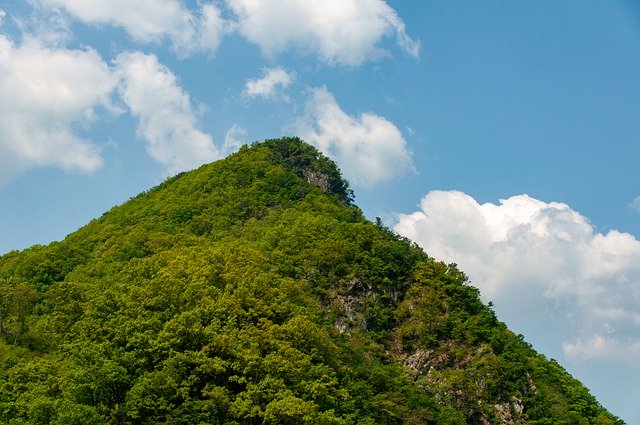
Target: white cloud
(166, 119)
(544, 266)
(369, 149)
(51, 96)
(48, 97)
(152, 21)
(346, 32)
(267, 86)
(339, 31)
(49, 26)
(233, 139)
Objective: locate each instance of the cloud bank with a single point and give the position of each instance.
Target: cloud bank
(369, 149)
(540, 262)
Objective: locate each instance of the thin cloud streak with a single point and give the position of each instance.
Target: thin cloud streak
(635, 205)
(234, 138)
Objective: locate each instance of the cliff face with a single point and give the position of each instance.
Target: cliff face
(252, 290)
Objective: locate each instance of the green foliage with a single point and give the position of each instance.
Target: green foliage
(252, 291)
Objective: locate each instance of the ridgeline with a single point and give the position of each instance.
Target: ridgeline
(253, 291)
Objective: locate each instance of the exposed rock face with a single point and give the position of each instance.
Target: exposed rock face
(510, 413)
(424, 363)
(317, 179)
(350, 307)
(418, 361)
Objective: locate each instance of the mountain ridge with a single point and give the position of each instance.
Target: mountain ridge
(253, 290)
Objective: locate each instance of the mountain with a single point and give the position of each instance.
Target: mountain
(253, 291)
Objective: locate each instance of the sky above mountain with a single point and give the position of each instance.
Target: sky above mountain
(501, 136)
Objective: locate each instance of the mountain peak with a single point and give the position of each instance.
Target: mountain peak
(251, 291)
(308, 162)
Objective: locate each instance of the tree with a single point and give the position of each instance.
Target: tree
(6, 303)
(23, 298)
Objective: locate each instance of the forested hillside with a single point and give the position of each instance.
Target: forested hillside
(253, 291)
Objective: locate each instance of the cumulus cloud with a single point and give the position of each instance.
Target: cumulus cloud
(52, 95)
(368, 148)
(267, 86)
(48, 97)
(344, 32)
(152, 21)
(544, 266)
(166, 119)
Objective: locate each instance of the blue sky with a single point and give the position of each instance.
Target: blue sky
(503, 136)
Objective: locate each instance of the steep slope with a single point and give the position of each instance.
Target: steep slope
(253, 291)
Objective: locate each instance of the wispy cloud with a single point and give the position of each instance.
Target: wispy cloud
(544, 266)
(369, 149)
(233, 139)
(267, 86)
(635, 205)
(51, 27)
(146, 21)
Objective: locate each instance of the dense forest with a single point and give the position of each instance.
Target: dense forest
(253, 291)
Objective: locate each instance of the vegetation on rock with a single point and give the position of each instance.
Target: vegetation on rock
(253, 291)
